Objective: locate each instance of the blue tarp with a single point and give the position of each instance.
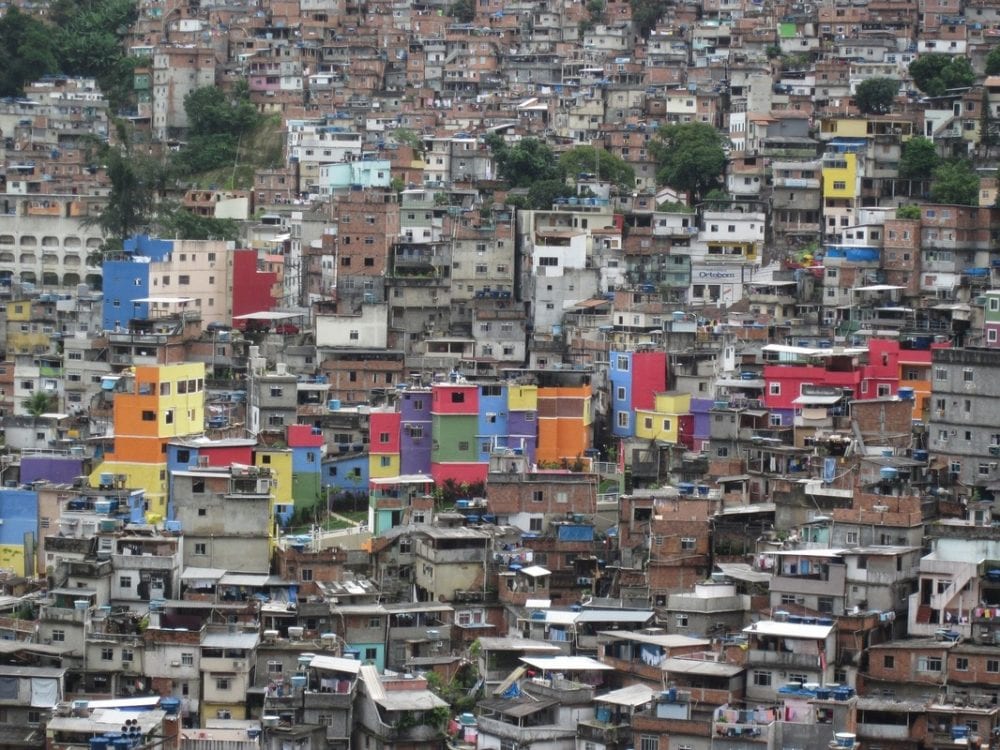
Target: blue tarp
(576, 533)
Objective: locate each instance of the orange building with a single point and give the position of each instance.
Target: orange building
(564, 422)
(153, 405)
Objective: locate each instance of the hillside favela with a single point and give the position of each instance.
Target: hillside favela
(499, 374)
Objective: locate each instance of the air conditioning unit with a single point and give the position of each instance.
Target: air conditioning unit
(175, 663)
(239, 665)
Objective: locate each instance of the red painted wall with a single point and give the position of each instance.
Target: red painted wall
(792, 377)
(470, 473)
(443, 402)
(225, 456)
(381, 423)
(301, 436)
(252, 289)
(649, 377)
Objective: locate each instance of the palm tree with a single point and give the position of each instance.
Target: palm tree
(38, 403)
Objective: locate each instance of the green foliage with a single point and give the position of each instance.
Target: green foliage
(211, 111)
(464, 11)
(180, 223)
(524, 163)
(542, 194)
(689, 157)
(591, 160)
(909, 211)
(38, 403)
(875, 95)
(645, 14)
(718, 195)
(27, 51)
(135, 179)
(674, 208)
(935, 73)
(955, 182)
(406, 137)
(993, 62)
(918, 160)
(217, 124)
(772, 51)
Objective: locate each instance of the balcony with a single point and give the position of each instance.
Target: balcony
(590, 730)
(808, 662)
(883, 731)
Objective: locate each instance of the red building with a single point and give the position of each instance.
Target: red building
(253, 288)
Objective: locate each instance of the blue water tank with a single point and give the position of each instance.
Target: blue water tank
(171, 706)
(920, 455)
(905, 394)
(98, 743)
(888, 473)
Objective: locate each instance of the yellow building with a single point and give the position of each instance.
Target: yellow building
(840, 175)
(383, 465)
(662, 423)
(522, 398)
(153, 405)
(279, 461)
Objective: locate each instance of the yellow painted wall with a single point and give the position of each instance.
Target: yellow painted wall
(19, 311)
(377, 471)
(848, 175)
(522, 397)
(281, 471)
(652, 425)
(12, 558)
(140, 476)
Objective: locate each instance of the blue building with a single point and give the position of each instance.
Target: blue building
(19, 530)
(494, 424)
(127, 280)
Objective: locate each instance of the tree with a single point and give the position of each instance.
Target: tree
(38, 403)
(544, 193)
(464, 11)
(135, 182)
(955, 182)
(935, 73)
(526, 162)
(993, 62)
(645, 14)
(211, 111)
(181, 224)
(918, 160)
(689, 157)
(909, 211)
(875, 95)
(27, 51)
(597, 161)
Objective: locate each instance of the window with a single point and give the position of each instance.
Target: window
(374, 622)
(371, 654)
(535, 523)
(851, 538)
(223, 683)
(968, 375)
(623, 419)
(762, 679)
(107, 654)
(463, 445)
(889, 661)
(620, 393)
(940, 373)
(58, 636)
(839, 185)
(930, 664)
(149, 416)
(548, 261)
(201, 548)
(774, 389)
(993, 665)
(688, 543)
(622, 363)
(187, 659)
(681, 619)
(125, 582)
(538, 496)
(385, 461)
(962, 664)
(183, 280)
(275, 667)
(649, 742)
(127, 655)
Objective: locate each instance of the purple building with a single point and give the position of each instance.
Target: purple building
(54, 469)
(415, 440)
(522, 432)
(701, 427)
